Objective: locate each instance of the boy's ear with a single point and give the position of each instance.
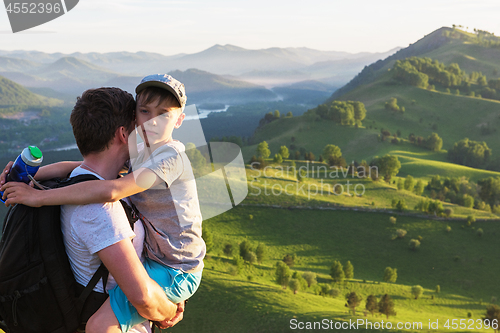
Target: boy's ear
(179, 121)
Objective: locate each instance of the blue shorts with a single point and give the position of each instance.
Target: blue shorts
(178, 286)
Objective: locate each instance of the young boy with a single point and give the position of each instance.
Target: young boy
(162, 186)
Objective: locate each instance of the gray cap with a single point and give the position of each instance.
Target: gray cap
(167, 82)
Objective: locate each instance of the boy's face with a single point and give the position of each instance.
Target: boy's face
(157, 122)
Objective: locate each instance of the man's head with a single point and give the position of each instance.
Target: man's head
(160, 103)
(97, 115)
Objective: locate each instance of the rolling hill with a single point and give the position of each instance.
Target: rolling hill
(15, 95)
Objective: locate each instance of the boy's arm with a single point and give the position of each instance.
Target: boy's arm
(145, 294)
(60, 169)
(94, 191)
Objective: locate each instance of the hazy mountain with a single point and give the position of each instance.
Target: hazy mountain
(203, 86)
(17, 65)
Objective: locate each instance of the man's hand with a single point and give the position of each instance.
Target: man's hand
(18, 192)
(5, 172)
(179, 315)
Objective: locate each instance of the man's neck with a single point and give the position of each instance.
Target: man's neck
(105, 166)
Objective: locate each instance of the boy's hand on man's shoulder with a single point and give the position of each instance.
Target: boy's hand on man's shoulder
(5, 172)
(21, 193)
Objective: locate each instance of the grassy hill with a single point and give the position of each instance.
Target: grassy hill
(446, 45)
(251, 301)
(15, 95)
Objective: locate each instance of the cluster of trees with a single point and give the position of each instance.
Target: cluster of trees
(470, 153)
(429, 206)
(420, 72)
(245, 252)
(296, 281)
(339, 273)
(342, 112)
(272, 116)
(409, 184)
(384, 306)
(433, 142)
(483, 195)
(425, 73)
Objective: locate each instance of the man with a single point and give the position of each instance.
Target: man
(102, 120)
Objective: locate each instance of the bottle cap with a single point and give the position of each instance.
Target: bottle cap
(32, 156)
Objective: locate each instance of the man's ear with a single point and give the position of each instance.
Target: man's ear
(179, 121)
(121, 135)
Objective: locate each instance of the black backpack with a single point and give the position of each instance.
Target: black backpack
(38, 291)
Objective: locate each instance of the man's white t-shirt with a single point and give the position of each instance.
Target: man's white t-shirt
(87, 229)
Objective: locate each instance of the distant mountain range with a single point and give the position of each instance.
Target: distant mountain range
(238, 74)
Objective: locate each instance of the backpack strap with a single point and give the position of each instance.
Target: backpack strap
(102, 272)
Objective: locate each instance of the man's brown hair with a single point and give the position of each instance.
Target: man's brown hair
(97, 114)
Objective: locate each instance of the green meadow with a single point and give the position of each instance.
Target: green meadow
(252, 302)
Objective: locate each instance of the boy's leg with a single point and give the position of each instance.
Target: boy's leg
(103, 321)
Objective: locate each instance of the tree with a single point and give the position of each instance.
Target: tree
(261, 252)
(434, 142)
(388, 166)
(386, 306)
(289, 260)
(278, 159)
(392, 219)
(331, 152)
(371, 304)
(263, 150)
(392, 105)
(390, 275)
(228, 250)
(276, 114)
(492, 315)
(409, 183)
(289, 114)
(419, 188)
(245, 249)
(353, 300)
(417, 291)
(438, 289)
(349, 270)
(282, 274)
(284, 152)
(337, 272)
(414, 244)
(208, 238)
(400, 184)
(294, 285)
(310, 278)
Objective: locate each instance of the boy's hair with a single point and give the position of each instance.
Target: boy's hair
(97, 114)
(152, 94)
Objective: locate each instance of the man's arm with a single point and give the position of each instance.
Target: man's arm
(144, 293)
(93, 191)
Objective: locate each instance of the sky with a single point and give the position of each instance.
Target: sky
(173, 27)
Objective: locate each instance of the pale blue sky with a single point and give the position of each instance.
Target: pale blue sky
(171, 27)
